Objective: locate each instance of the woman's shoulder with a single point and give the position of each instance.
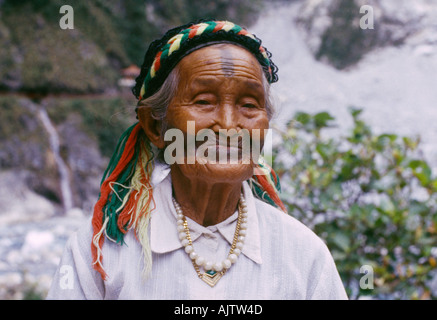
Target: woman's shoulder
(284, 225)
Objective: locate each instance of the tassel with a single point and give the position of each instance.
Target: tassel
(271, 191)
(121, 159)
(266, 186)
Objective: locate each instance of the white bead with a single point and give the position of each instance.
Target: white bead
(233, 257)
(227, 263)
(218, 266)
(200, 261)
(207, 265)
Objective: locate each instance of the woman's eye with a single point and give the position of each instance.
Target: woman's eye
(203, 102)
(249, 105)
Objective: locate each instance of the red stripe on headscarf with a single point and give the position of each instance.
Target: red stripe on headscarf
(243, 32)
(193, 31)
(157, 64)
(218, 26)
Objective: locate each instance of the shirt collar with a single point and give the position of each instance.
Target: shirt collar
(164, 237)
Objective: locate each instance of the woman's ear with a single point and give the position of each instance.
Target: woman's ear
(151, 127)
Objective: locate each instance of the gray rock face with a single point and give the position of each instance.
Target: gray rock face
(334, 28)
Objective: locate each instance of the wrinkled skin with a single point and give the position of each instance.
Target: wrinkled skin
(220, 87)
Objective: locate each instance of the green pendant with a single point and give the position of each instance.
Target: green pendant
(211, 277)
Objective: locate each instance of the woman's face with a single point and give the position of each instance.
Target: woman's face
(220, 88)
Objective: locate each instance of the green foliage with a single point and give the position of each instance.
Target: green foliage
(47, 59)
(372, 198)
(37, 56)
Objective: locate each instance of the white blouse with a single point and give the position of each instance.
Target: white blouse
(281, 259)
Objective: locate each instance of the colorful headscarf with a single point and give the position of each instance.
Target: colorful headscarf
(126, 194)
(163, 54)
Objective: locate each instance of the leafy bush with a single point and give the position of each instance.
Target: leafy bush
(371, 197)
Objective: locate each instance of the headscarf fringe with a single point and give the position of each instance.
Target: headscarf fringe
(265, 185)
(127, 180)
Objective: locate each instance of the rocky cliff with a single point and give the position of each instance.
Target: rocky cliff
(64, 102)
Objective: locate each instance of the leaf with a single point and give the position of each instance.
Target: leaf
(434, 185)
(324, 150)
(342, 241)
(432, 262)
(338, 255)
(302, 117)
(387, 137)
(414, 164)
(421, 171)
(410, 143)
(321, 119)
(355, 112)
(387, 206)
(418, 208)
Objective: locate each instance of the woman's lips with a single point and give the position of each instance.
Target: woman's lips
(222, 152)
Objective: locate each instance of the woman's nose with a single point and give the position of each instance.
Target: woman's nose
(227, 117)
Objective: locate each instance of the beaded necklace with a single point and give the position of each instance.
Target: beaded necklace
(213, 271)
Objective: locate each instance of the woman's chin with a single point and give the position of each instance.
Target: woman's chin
(226, 172)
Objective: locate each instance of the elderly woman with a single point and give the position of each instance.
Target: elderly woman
(199, 229)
